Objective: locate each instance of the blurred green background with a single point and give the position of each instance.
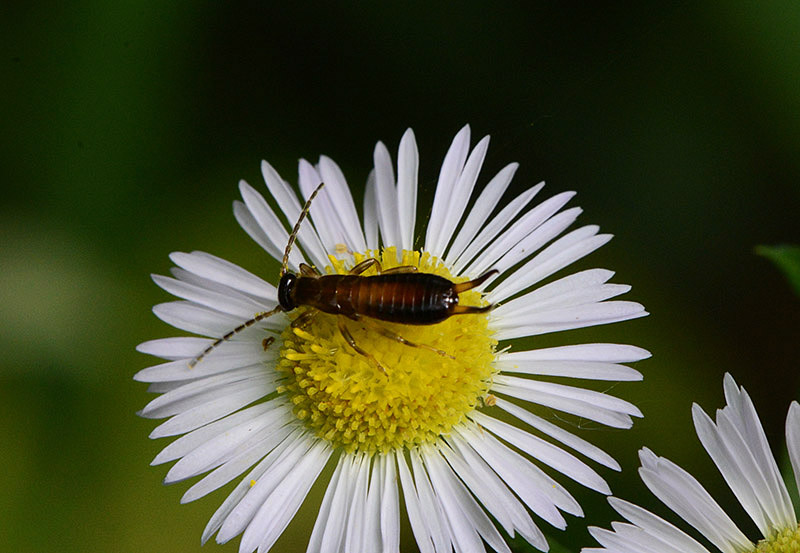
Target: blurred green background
(126, 127)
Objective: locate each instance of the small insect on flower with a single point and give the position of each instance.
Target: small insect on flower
(398, 295)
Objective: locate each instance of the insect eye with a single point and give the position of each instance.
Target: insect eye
(285, 288)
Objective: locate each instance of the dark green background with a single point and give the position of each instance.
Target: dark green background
(127, 125)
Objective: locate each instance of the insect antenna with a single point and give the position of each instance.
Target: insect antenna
(260, 317)
(296, 229)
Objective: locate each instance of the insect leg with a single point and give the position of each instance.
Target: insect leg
(259, 317)
(401, 269)
(304, 319)
(396, 337)
(364, 265)
(464, 286)
(309, 271)
(349, 339)
(372, 262)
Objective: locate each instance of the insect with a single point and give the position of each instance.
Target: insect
(398, 295)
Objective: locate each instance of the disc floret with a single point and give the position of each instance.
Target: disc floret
(785, 541)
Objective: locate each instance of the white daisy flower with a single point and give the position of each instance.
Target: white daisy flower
(738, 446)
(280, 401)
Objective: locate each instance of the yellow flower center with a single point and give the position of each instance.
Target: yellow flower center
(346, 399)
(785, 541)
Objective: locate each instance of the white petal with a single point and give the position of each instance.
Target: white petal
(283, 503)
(246, 484)
(627, 538)
(218, 361)
(199, 391)
(173, 348)
(324, 515)
(520, 519)
(415, 517)
(682, 493)
(204, 320)
(463, 534)
(568, 318)
(372, 539)
(390, 509)
(270, 224)
(746, 462)
(432, 512)
(283, 461)
(407, 172)
(207, 284)
(590, 404)
(493, 228)
(532, 231)
(230, 398)
(238, 306)
(320, 214)
(186, 347)
(289, 204)
(543, 234)
(556, 256)
(480, 212)
(224, 272)
(386, 195)
(462, 507)
(237, 464)
(609, 353)
(793, 439)
(194, 318)
(196, 438)
(324, 208)
(666, 534)
(333, 534)
(492, 492)
(739, 421)
(570, 440)
(223, 446)
(254, 230)
(547, 453)
(570, 369)
(342, 202)
(617, 543)
(355, 526)
(560, 293)
(543, 495)
(452, 166)
(371, 213)
(582, 311)
(462, 192)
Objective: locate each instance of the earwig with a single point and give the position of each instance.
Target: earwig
(396, 295)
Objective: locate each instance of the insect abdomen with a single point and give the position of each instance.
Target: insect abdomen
(408, 298)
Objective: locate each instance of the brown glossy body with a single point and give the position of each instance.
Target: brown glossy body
(408, 298)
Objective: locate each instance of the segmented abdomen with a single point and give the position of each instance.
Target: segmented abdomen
(408, 298)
